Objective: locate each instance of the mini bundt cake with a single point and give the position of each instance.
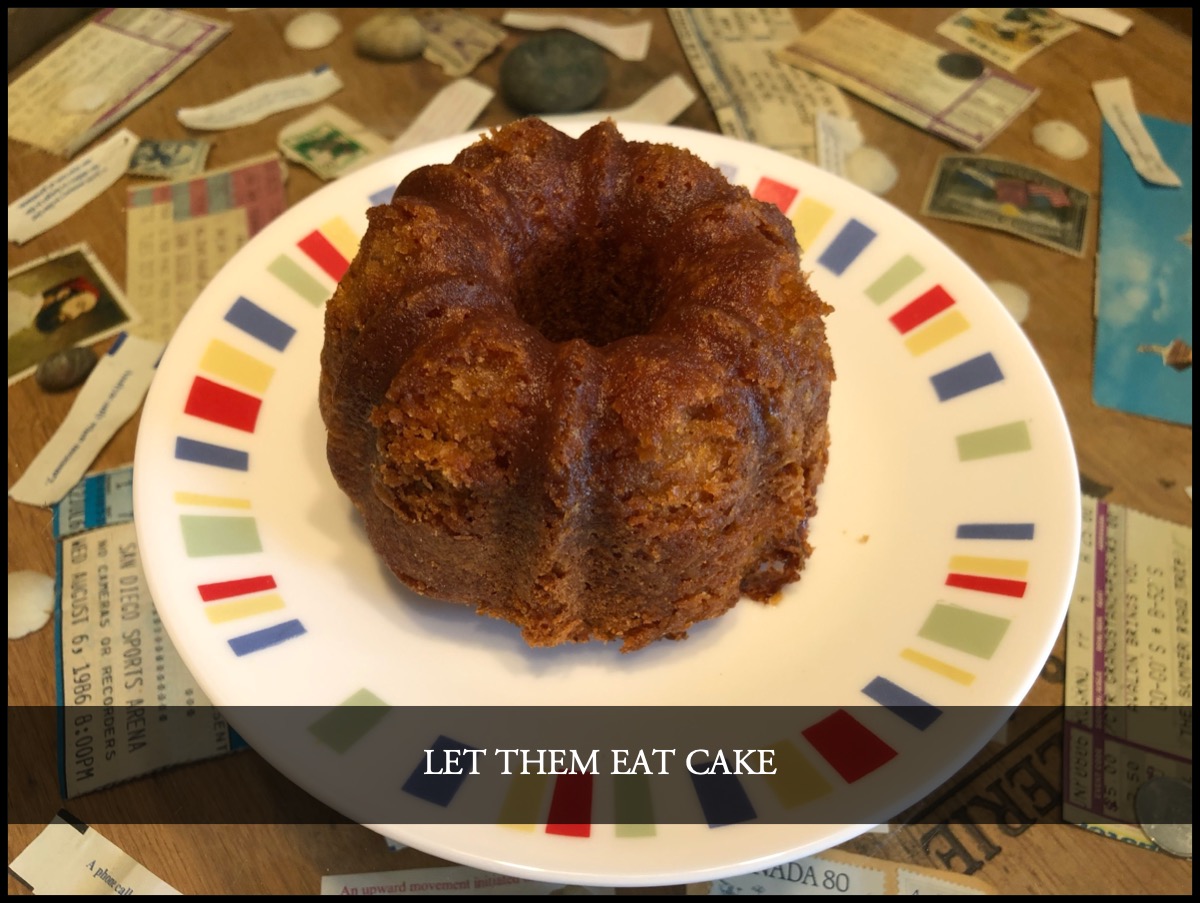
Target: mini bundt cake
(579, 384)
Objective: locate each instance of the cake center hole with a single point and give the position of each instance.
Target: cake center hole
(598, 291)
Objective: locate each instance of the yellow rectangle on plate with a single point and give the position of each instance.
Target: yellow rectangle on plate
(990, 567)
(236, 366)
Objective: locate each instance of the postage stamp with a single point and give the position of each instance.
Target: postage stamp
(1009, 196)
(329, 142)
(169, 159)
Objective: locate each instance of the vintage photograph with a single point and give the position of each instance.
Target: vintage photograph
(58, 302)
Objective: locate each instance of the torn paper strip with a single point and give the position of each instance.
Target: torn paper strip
(111, 395)
(263, 100)
(65, 192)
(1097, 17)
(1115, 97)
(451, 111)
(660, 105)
(73, 858)
(628, 42)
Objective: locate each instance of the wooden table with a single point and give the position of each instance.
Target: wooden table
(1147, 463)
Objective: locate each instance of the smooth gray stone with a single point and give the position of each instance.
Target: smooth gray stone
(390, 36)
(554, 72)
(961, 65)
(65, 369)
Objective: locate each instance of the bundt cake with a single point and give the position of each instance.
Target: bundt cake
(579, 384)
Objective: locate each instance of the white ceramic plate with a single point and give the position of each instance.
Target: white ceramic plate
(945, 545)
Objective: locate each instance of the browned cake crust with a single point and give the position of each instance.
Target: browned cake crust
(579, 384)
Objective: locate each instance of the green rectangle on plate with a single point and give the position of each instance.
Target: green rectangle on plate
(963, 629)
(205, 536)
(997, 440)
(343, 726)
(898, 275)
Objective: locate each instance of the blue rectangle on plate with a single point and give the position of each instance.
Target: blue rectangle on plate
(966, 377)
(995, 531)
(435, 788)
(722, 797)
(253, 320)
(845, 248)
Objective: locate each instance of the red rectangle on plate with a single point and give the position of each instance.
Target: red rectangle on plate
(912, 315)
(322, 252)
(571, 806)
(227, 589)
(775, 193)
(996, 585)
(220, 404)
(848, 746)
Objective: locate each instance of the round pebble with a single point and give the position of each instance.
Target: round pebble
(1014, 298)
(30, 602)
(554, 72)
(1060, 138)
(1163, 806)
(960, 65)
(312, 30)
(65, 369)
(872, 169)
(390, 36)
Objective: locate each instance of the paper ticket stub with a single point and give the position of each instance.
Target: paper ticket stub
(1129, 666)
(69, 857)
(756, 97)
(98, 499)
(836, 872)
(180, 234)
(451, 880)
(129, 706)
(106, 69)
(911, 78)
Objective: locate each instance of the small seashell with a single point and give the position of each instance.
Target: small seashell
(391, 35)
(872, 169)
(1060, 138)
(1014, 298)
(312, 30)
(554, 72)
(65, 369)
(30, 602)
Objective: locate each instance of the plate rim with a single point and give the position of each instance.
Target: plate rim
(143, 504)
